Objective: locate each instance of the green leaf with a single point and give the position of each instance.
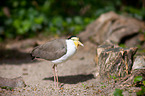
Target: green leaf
(84, 85)
(118, 92)
(22, 12)
(23, 3)
(8, 21)
(122, 45)
(69, 20)
(102, 83)
(144, 83)
(137, 78)
(20, 31)
(114, 77)
(142, 91)
(78, 20)
(57, 21)
(39, 19)
(87, 20)
(17, 23)
(26, 25)
(7, 88)
(15, 3)
(78, 27)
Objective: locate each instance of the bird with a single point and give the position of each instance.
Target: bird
(57, 51)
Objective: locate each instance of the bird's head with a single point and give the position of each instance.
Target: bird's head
(76, 41)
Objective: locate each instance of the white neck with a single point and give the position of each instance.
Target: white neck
(71, 49)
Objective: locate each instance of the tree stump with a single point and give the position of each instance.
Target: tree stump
(114, 60)
(138, 69)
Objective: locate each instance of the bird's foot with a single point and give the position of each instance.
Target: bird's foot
(61, 85)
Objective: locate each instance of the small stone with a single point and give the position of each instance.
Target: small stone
(139, 63)
(15, 82)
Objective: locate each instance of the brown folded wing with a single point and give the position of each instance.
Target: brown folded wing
(50, 50)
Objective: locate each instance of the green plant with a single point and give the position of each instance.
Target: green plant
(144, 83)
(7, 88)
(113, 77)
(122, 45)
(137, 78)
(142, 91)
(103, 87)
(28, 18)
(118, 92)
(84, 85)
(102, 83)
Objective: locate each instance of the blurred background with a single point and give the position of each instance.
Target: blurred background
(21, 19)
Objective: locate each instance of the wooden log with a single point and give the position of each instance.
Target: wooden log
(111, 26)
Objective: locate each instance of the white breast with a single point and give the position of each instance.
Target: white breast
(71, 49)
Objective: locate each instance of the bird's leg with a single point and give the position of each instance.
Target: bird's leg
(54, 74)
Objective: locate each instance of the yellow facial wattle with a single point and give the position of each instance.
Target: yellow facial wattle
(76, 43)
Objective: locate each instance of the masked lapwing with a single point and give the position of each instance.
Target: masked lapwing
(57, 51)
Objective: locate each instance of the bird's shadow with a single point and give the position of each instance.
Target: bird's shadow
(72, 79)
(14, 56)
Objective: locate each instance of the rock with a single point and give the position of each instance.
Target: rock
(114, 60)
(139, 63)
(138, 69)
(15, 82)
(111, 26)
(137, 39)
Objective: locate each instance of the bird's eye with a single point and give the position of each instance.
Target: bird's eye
(74, 39)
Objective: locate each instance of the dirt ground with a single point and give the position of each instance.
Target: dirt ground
(76, 75)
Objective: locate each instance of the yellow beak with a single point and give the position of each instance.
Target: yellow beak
(79, 43)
